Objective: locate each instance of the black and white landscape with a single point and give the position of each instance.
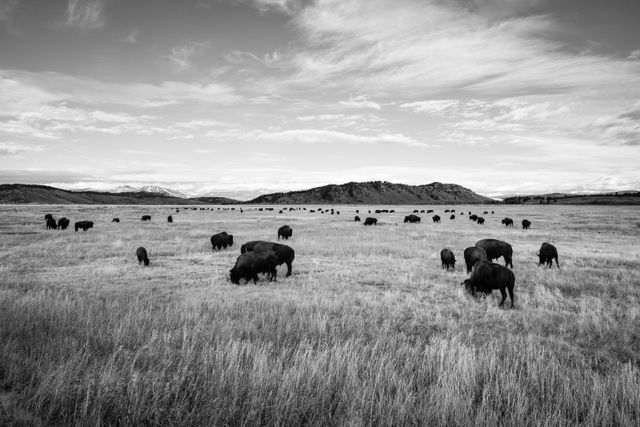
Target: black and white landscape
(319, 212)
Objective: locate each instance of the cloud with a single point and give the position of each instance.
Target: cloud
(182, 56)
(132, 37)
(360, 101)
(85, 14)
(7, 9)
(323, 136)
(16, 148)
(635, 55)
(282, 6)
(621, 129)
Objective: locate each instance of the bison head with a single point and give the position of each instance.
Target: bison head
(230, 239)
(234, 276)
(469, 287)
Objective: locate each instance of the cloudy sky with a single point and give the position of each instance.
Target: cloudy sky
(227, 96)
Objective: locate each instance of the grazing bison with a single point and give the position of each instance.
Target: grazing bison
(51, 224)
(487, 276)
(547, 254)
(452, 217)
(480, 220)
(221, 241)
(85, 225)
(416, 211)
(370, 221)
(357, 218)
(285, 232)
(447, 258)
(169, 218)
(496, 249)
(508, 222)
(115, 220)
(63, 223)
(473, 217)
(526, 224)
(145, 218)
(48, 216)
(430, 211)
(436, 218)
(472, 255)
(249, 264)
(412, 218)
(141, 253)
(486, 213)
(285, 253)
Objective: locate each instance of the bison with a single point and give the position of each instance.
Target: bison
(221, 241)
(249, 264)
(169, 218)
(115, 220)
(141, 253)
(508, 222)
(85, 225)
(48, 216)
(357, 218)
(526, 224)
(547, 254)
(472, 255)
(370, 221)
(285, 253)
(487, 276)
(412, 218)
(447, 258)
(430, 211)
(480, 220)
(285, 232)
(496, 249)
(63, 223)
(51, 224)
(436, 218)
(452, 217)
(145, 218)
(473, 217)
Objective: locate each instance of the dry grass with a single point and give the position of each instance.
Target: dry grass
(368, 329)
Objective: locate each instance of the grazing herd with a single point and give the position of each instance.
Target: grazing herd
(262, 257)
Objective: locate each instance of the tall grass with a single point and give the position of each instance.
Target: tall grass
(368, 330)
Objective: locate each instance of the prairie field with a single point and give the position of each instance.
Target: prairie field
(368, 330)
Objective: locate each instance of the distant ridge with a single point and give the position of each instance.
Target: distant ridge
(42, 194)
(616, 198)
(377, 192)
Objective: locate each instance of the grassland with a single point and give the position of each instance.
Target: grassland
(369, 330)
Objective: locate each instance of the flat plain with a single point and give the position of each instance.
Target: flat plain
(369, 329)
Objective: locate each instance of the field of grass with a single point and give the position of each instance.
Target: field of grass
(369, 329)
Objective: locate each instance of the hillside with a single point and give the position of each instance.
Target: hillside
(42, 194)
(377, 192)
(619, 198)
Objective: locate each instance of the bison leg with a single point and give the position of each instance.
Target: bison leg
(511, 295)
(503, 292)
(255, 278)
(288, 269)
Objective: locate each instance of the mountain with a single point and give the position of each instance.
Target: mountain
(42, 194)
(616, 198)
(377, 192)
(150, 189)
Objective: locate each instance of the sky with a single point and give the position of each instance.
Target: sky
(240, 97)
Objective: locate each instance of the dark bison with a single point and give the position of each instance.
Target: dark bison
(526, 224)
(141, 253)
(508, 222)
(145, 218)
(285, 232)
(472, 255)
(221, 241)
(249, 264)
(473, 217)
(169, 218)
(436, 218)
(452, 217)
(285, 253)
(412, 218)
(480, 220)
(370, 221)
(51, 224)
(447, 258)
(430, 211)
(48, 216)
(486, 213)
(85, 225)
(547, 254)
(115, 220)
(496, 249)
(357, 218)
(63, 223)
(487, 276)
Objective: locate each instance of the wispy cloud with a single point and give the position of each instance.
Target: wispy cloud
(16, 148)
(7, 9)
(85, 14)
(182, 57)
(323, 136)
(361, 101)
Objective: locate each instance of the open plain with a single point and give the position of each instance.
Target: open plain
(369, 329)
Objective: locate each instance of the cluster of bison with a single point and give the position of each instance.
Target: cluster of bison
(262, 257)
(487, 276)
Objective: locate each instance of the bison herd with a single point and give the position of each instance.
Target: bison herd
(262, 257)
